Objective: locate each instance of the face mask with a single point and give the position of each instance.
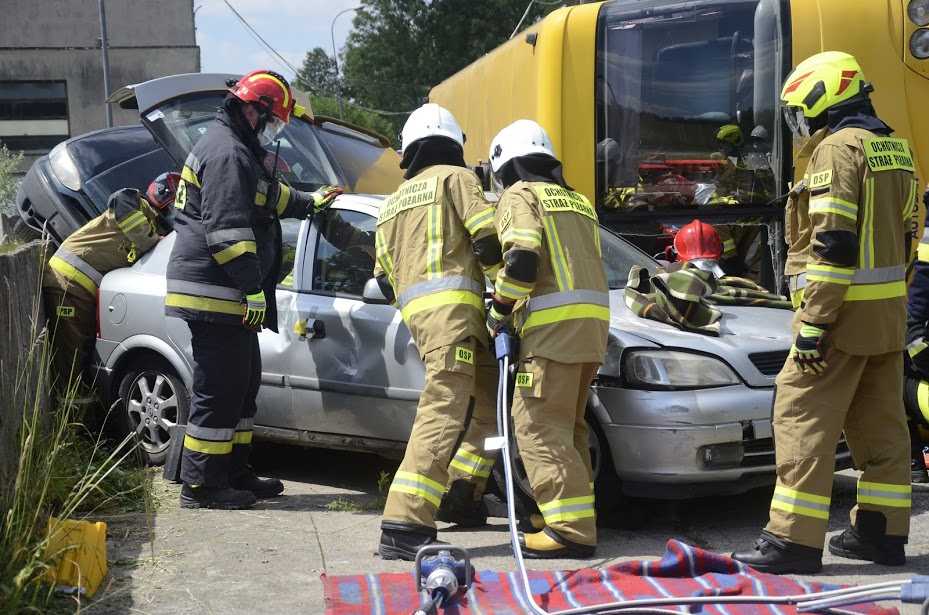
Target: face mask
(272, 129)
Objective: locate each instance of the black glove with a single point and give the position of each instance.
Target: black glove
(498, 314)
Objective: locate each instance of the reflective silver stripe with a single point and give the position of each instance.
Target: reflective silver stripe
(568, 297)
(210, 433)
(801, 502)
(193, 163)
(230, 234)
(879, 275)
(79, 264)
(842, 277)
(417, 485)
(925, 237)
(263, 187)
(427, 287)
(245, 425)
(850, 209)
(801, 281)
(198, 289)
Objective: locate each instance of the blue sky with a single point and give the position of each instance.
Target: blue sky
(291, 27)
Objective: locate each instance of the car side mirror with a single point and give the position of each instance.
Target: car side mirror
(372, 293)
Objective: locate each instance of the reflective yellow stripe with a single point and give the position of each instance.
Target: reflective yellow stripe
(568, 509)
(205, 304)
(834, 206)
(242, 437)
(525, 237)
(568, 312)
(728, 245)
(237, 249)
(479, 221)
(922, 252)
(511, 290)
(383, 257)
(260, 199)
(72, 273)
(131, 221)
(866, 234)
(911, 201)
(419, 486)
(874, 292)
(491, 272)
(439, 299)
(922, 398)
(800, 503)
(189, 176)
(557, 256)
(207, 447)
(435, 248)
(472, 464)
(283, 198)
(884, 494)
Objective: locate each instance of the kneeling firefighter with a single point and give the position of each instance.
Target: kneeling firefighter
(916, 382)
(435, 242)
(848, 232)
(130, 227)
(553, 279)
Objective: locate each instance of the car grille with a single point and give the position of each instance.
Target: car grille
(769, 363)
(760, 452)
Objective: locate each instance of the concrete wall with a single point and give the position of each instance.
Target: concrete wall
(59, 40)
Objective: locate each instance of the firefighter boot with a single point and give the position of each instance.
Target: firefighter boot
(549, 544)
(261, 487)
(403, 540)
(223, 497)
(918, 472)
(868, 540)
(778, 556)
(459, 506)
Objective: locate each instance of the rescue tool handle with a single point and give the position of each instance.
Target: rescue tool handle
(505, 345)
(461, 567)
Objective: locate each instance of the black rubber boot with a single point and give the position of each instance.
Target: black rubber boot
(404, 540)
(549, 544)
(775, 555)
(868, 540)
(918, 472)
(222, 497)
(261, 487)
(459, 506)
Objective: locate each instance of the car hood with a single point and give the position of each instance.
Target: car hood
(744, 331)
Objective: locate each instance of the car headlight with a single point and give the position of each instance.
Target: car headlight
(919, 44)
(674, 369)
(918, 12)
(64, 168)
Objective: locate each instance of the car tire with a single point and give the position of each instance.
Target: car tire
(607, 485)
(152, 399)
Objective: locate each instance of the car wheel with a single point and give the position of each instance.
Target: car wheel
(607, 486)
(152, 399)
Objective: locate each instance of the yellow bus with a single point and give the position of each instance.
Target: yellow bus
(635, 92)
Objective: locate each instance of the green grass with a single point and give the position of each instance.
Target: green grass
(341, 504)
(9, 246)
(61, 471)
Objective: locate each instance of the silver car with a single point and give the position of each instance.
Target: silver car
(672, 414)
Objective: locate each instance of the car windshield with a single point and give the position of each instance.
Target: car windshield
(303, 160)
(619, 256)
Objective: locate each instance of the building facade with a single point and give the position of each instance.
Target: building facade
(51, 64)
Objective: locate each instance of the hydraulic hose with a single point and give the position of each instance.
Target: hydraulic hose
(505, 347)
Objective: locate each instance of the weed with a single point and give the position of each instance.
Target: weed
(341, 504)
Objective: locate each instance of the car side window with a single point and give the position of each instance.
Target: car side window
(290, 231)
(345, 252)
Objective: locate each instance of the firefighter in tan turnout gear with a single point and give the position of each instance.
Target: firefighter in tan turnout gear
(848, 230)
(435, 242)
(553, 280)
(130, 227)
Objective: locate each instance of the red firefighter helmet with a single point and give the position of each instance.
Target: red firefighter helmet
(162, 191)
(697, 240)
(266, 88)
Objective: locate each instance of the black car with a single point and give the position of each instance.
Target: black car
(70, 186)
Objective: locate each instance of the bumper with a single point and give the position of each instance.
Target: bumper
(682, 444)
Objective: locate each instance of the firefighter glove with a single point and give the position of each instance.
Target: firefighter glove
(918, 350)
(498, 315)
(807, 352)
(255, 308)
(323, 198)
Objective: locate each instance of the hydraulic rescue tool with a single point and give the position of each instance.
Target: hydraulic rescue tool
(912, 591)
(441, 575)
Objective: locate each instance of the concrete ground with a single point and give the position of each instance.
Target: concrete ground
(269, 559)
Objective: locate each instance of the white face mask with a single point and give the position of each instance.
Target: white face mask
(272, 129)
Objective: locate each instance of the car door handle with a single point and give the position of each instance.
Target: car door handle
(316, 330)
(319, 329)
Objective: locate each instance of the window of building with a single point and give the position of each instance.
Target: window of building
(33, 115)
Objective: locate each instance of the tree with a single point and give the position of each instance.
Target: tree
(327, 105)
(318, 73)
(398, 49)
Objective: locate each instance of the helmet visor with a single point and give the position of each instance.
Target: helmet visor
(798, 124)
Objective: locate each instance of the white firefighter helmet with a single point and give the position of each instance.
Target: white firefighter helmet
(521, 138)
(430, 120)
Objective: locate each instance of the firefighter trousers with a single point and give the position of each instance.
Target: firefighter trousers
(73, 321)
(863, 396)
(549, 403)
(446, 408)
(227, 374)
